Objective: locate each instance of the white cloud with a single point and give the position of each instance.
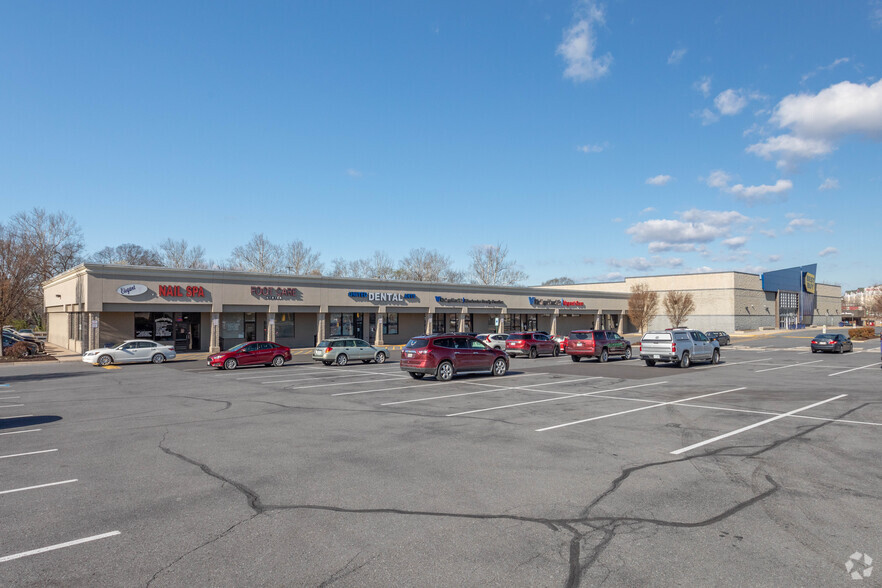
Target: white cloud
(771, 234)
(716, 218)
(672, 231)
(618, 219)
(821, 68)
(707, 116)
(750, 194)
(648, 209)
(799, 222)
(353, 173)
(735, 242)
(774, 258)
(579, 44)
(703, 85)
(659, 180)
(609, 277)
(730, 102)
(817, 121)
(829, 184)
(828, 251)
(591, 148)
(676, 56)
(662, 246)
(641, 264)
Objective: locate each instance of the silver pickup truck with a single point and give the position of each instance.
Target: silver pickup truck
(681, 346)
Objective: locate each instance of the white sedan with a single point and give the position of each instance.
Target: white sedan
(133, 351)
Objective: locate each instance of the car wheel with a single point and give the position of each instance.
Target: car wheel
(627, 353)
(839, 350)
(555, 352)
(342, 359)
(380, 358)
(685, 362)
(444, 372)
(105, 360)
(814, 350)
(533, 353)
(158, 358)
(499, 367)
(649, 362)
(715, 358)
(278, 361)
(327, 362)
(604, 355)
(230, 364)
(417, 375)
(575, 358)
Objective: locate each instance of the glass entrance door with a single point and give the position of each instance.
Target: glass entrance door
(250, 327)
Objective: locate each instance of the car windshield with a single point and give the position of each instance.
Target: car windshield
(324, 343)
(657, 337)
(238, 347)
(518, 337)
(581, 336)
(416, 343)
(824, 338)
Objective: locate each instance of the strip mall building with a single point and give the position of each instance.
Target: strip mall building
(93, 305)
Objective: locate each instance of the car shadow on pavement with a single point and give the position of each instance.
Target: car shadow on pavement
(30, 421)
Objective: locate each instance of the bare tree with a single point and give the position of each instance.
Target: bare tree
(491, 266)
(301, 260)
(642, 306)
(55, 239)
(258, 255)
(19, 284)
(379, 266)
(678, 305)
(179, 254)
(423, 265)
(561, 281)
(127, 254)
(874, 306)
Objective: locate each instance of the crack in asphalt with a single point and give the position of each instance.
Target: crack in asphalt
(227, 402)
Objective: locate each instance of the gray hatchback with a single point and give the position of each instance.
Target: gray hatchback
(342, 350)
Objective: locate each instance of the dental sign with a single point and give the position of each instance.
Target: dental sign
(556, 302)
(132, 289)
(383, 296)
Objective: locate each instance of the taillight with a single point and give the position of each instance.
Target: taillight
(328, 350)
(423, 352)
(814, 342)
(673, 348)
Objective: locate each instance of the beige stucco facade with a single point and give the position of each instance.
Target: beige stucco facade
(93, 305)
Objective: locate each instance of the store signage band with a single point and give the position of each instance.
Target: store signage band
(444, 300)
(809, 282)
(132, 289)
(383, 296)
(555, 302)
(174, 291)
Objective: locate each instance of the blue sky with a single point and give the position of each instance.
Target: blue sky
(595, 139)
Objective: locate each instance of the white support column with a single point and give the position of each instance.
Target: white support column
(429, 319)
(500, 328)
(554, 323)
(381, 318)
(214, 337)
(622, 318)
(94, 330)
(460, 323)
(320, 328)
(597, 320)
(271, 326)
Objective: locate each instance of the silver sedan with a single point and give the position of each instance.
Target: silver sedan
(132, 351)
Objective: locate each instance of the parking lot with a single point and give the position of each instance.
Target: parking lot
(762, 470)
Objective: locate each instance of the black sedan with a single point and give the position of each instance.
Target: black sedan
(719, 336)
(834, 343)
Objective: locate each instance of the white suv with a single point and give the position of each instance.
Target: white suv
(494, 340)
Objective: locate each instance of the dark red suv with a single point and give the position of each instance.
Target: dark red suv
(599, 344)
(531, 345)
(445, 355)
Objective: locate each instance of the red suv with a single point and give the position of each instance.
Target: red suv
(445, 355)
(531, 345)
(599, 344)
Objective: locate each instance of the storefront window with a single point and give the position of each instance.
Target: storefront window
(143, 325)
(341, 324)
(390, 325)
(439, 322)
(233, 325)
(521, 322)
(162, 326)
(284, 325)
(452, 322)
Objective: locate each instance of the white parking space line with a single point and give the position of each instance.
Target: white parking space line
(863, 367)
(320, 376)
(35, 487)
(553, 399)
(782, 367)
(397, 378)
(326, 371)
(10, 397)
(606, 416)
(25, 431)
(724, 364)
(421, 386)
(18, 416)
(753, 426)
(28, 453)
(6, 558)
(10, 405)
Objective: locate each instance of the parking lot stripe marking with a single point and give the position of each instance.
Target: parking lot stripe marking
(724, 364)
(855, 369)
(438, 397)
(341, 383)
(28, 453)
(553, 399)
(25, 431)
(753, 426)
(420, 386)
(35, 487)
(795, 416)
(606, 416)
(10, 397)
(18, 416)
(781, 367)
(10, 405)
(320, 376)
(6, 558)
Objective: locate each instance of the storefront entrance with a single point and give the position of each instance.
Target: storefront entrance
(181, 328)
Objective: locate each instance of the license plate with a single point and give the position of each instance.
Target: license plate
(408, 354)
(317, 352)
(656, 357)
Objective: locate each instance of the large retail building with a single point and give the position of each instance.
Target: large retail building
(94, 305)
